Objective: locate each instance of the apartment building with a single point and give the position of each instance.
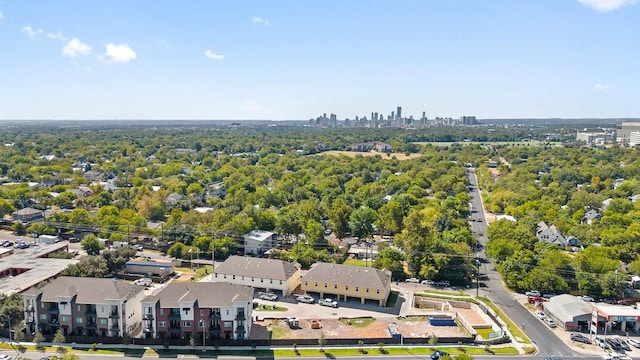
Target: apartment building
(201, 310)
(84, 307)
(261, 273)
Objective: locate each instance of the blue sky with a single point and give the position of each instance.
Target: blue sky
(294, 60)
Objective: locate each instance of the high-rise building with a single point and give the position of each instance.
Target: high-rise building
(399, 113)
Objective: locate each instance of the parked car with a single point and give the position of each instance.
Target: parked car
(540, 315)
(5, 357)
(532, 293)
(438, 354)
(328, 302)
(139, 247)
(580, 338)
(306, 299)
(588, 298)
(634, 342)
(412, 280)
(627, 302)
(550, 323)
(614, 343)
(610, 356)
(428, 282)
(268, 296)
(549, 295)
(600, 342)
(444, 283)
(624, 344)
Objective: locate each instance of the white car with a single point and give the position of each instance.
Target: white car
(5, 357)
(540, 315)
(428, 282)
(634, 342)
(268, 296)
(412, 280)
(550, 323)
(610, 356)
(588, 298)
(533, 293)
(306, 299)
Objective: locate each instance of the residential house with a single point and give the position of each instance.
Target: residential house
(84, 307)
(605, 204)
(591, 216)
(550, 234)
(92, 175)
(27, 215)
(257, 242)
(375, 145)
(346, 281)
(364, 250)
(216, 189)
(202, 310)
(268, 274)
(173, 199)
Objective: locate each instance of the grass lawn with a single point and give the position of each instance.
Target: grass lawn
(414, 351)
(357, 322)
(265, 307)
(392, 299)
(515, 331)
(357, 262)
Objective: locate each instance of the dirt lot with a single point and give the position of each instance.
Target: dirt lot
(417, 327)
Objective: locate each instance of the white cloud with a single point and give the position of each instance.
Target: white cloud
(30, 31)
(57, 36)
(261, 21)
(75, 47)
(599, 87)
(606, 5)
(121, 53)
(211, 55)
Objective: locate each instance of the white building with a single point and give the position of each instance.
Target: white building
(258, 241)
(268, 274)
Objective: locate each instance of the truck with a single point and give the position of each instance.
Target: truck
(328, 302)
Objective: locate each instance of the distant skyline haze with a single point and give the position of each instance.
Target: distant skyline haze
(292, 60)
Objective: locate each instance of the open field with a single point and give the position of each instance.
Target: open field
(390, 156)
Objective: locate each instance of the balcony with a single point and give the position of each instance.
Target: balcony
(147, 317)
(214, 331)
(92, 325)
(115, 327)
(174, 316)
(148, 330)
(114, 315)
(240, 330)
(90, 311)
(175, 330)
(215, 316)
(241, 316)
(53, 311)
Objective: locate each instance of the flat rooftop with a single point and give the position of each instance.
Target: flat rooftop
(38, 268)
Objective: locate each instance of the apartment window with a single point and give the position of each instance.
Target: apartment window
(103, 321)
(161, 311)
(186, 323)
(42, 305)
(227, 324)
(149, 310)
(79, 308)
(162, 323)
(43, 316)
(64, 318)
(227, 311)
(79, 320)
(201, 312)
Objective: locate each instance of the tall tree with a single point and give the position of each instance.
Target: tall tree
(339, 215)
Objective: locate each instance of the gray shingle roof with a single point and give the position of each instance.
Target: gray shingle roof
(257, 267)
(86, 290)
(207, 294)
(349, 275)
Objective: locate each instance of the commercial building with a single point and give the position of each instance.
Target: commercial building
(345, 281)
(570, 312)
(84, 307)
(268, 274)
(200, 310)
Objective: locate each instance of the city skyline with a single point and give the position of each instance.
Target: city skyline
(287, 60)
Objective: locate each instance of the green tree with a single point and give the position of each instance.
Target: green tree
(390, 217)
(339, 215)
(38, 339)
(361, 222)
(392, 260)
(91, 244)
(58, 339)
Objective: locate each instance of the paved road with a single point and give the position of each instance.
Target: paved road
(493, 288)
